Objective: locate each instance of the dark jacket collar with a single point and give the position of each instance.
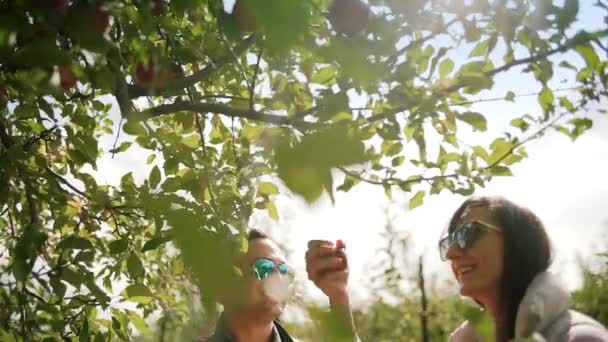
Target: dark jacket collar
(222, 333)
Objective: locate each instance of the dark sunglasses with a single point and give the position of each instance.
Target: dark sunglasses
(463, 236)
(262, 268)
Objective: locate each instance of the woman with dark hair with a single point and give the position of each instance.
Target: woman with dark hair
(499, 253)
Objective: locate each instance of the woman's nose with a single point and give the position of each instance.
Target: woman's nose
(454, 251)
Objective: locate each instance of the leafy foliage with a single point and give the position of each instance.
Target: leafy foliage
(221, 104)
(592, 298)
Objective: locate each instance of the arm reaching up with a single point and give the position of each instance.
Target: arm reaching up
(327, 268)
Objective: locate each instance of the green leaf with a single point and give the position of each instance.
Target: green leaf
(397, 161)
(272, 211)
(567, 15)
(590, 56)
(305, 166)
(59, 288)
(140, 324)
(134, 127)
(150, 159)
(581, 125)
(481, 152)
(546, 98)
(138, 290)
(135, 266)
(476, 120)
(417, 200)
(446, 67)
(118, 246)
(123, 147)
(475, 82)
(564, 102)
(480, 49)
(499, 170)
(154, 178)
(510, 96)
(500, 149)
(192, 141)
(482, 322)
(75, 242)
(324, 75)
(84, 332)
(154, 243)
(267, 189)
(520, 123)
(471, 31)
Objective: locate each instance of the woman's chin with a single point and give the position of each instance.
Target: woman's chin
(467, 290)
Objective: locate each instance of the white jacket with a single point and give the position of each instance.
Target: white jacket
(544, 315)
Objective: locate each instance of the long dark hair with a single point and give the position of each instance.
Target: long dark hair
(526, 253)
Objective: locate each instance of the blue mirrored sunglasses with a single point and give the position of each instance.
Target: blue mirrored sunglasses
(262, 268)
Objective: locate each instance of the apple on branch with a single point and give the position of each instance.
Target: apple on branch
(349, 16)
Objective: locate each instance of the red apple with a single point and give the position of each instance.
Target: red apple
(176, 72)
(151, 74)
(158, 7)
(59, 7)
(102, 19)
(243, 16)
(66, 78)
(349, 16)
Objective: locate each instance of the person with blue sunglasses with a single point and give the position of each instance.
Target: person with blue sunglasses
(252, 314)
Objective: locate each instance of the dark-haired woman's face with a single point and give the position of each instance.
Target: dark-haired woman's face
(478, 268)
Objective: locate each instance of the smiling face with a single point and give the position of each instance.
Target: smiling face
(478, 268)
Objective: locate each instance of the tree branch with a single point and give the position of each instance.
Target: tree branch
(65, 182)
(173, 87)
(5, 138)
(202, 107)
(562, 48)
(577, 40)
(121, 88)
(396, 181)
(254, 79)
(31, 203)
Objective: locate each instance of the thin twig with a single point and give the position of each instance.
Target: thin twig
(393, 58)
(254, 79)
(117, 136)
(238, 63)
(395, 181)
(204, 146)
(505, 98)
(65, 182)
(236, 157)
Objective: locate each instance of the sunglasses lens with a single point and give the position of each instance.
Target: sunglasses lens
(469, 234)
(262, 268)
(283, 268)
(463, 237)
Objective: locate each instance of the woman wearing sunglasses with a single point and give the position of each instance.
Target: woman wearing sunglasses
(499, 253)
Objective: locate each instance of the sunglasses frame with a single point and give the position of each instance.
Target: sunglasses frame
(283, 268)
(460, 237)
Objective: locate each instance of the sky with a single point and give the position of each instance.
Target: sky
(563, 182)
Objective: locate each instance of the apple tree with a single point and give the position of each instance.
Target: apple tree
(233, 103)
